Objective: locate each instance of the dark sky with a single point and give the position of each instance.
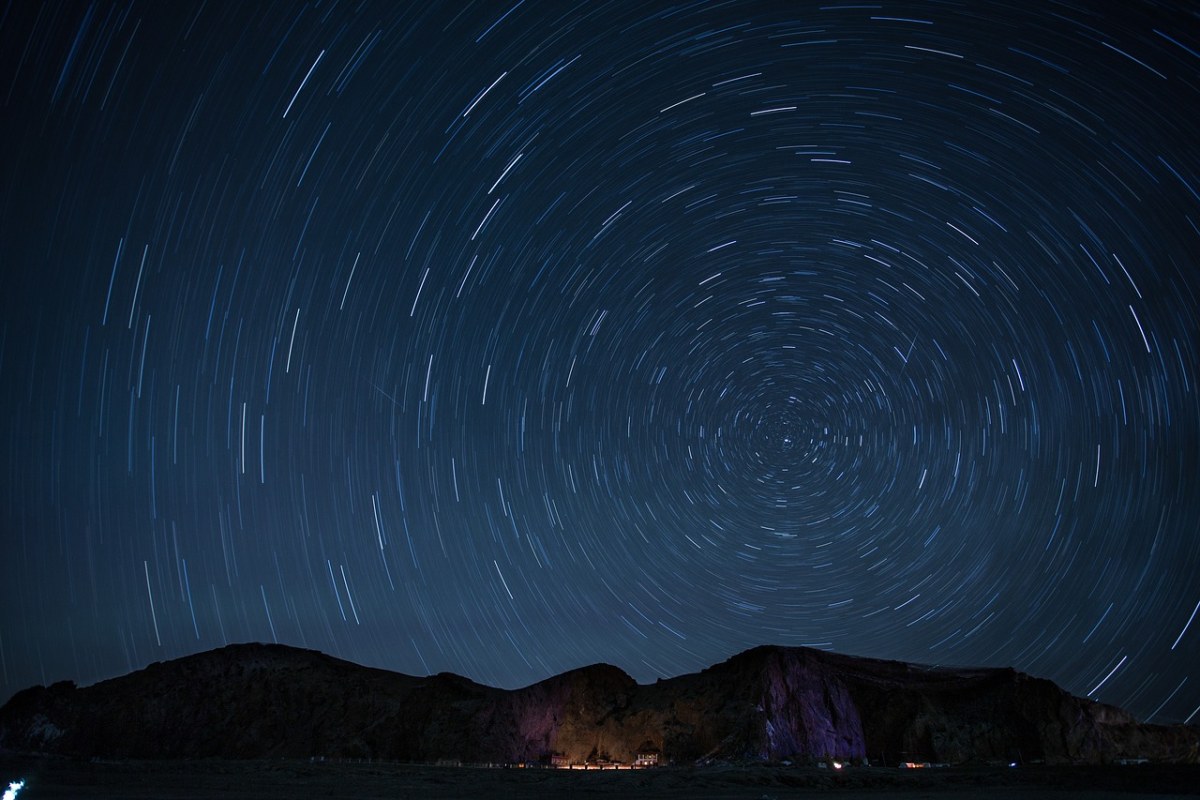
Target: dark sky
(503, 338)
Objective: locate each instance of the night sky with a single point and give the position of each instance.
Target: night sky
(504, 338)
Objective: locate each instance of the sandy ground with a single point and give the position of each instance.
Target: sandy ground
(294, 780)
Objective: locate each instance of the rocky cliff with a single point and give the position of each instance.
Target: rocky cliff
(767, 704)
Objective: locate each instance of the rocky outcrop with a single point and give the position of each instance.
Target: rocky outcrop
(767, 704)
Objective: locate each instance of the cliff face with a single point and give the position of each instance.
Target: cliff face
(767, 704)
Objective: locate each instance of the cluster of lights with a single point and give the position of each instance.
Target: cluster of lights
(13, 787)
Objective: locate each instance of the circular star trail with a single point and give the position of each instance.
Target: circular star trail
(507, 338)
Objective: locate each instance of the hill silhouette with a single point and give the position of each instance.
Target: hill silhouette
(768, 704)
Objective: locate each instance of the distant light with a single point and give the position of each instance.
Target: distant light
(13, 787)
(837, 765)
(1012, 763)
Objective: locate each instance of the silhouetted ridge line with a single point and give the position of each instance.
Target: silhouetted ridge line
(767, 704)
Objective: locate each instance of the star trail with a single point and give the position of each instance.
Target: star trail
(504, 338)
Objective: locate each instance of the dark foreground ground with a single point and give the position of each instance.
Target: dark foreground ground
(299, 780)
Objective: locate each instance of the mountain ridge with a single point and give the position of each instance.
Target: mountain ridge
(769, 703)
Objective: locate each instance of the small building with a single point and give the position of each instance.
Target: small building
(559, 761)
(647, 756)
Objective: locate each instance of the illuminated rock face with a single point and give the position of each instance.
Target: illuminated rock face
(767, 704)
(808, 710)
